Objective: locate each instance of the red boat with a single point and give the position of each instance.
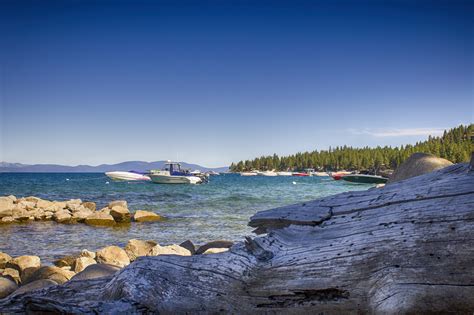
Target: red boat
(300, 174)
(337, 176)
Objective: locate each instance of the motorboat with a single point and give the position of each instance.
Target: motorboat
(268, 173)
(339, 175)
(284, 173)
(321, 174)
(248, 173)
(128, 176)
(364, 179)
(213, 173)
(173, 174)
(300, 174)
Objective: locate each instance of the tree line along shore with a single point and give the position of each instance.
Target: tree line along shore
(454, 145)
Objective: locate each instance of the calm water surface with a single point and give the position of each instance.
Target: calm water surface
(218, 210)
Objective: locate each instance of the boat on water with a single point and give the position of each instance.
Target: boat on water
(248, 173)
(284, 173)
(339, 175)
(128, 176)
(173, 174)
(268, 173)
(300, 174)
(364, 179)
(321, 174)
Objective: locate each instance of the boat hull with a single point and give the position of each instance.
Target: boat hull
(127, 176)
(164, 179)
(364, 179)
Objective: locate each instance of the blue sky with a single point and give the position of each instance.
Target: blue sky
(86, 82)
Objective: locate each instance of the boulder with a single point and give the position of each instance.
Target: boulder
(59, 205)
(81, 216)
(96, 271)
(89, 205)
(70, 203)
(6, 207)
(121, 203)
(146, 216)
(12, 274)
(120, 214)
(20, 214)
(100, 219)
(32, 199)
(7, 287)
(189, 246)
(6, 220)
(35, 285)
(44, 204)
(82, 262)
(66, 261)
(73, 207)
(137, 248)
(21, 263)
(105, 210)
(63, 216)
(13, 198)
(169, 250)
(112, 255)
(215, 251)
(27, 205)
(418, 164)
(4, 259)
(214, 244)
(87, 253)
(52, 273)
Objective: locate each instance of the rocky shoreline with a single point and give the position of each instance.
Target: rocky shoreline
(23, 210)
(26, 273)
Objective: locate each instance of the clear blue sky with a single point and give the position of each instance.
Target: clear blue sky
(86, 82)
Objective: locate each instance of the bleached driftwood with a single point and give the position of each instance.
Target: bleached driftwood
(404, 248)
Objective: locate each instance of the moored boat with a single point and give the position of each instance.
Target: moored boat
(172, 174)
(284, 173)
(364, 179)
(268, 173)
(321, 174)
(300, 174)
(127, 176)
(248, 173)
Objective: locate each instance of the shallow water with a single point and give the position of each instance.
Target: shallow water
(218, 210)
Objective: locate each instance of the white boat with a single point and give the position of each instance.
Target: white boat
(248, 173)
(172, 174)
(268, 173)
(321, 174)
(127, 176)
(284, 173)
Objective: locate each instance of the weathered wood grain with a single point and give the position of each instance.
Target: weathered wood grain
(404, 248)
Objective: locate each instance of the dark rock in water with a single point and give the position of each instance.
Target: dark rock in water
(52, 273)
(189, 246)
(7, 287)
(96, 271)
(35, 285)
(418, 164)
(214, 244)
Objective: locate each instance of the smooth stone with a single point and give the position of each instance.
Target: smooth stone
(6, 207)
(146, 216)
(4, 259)
(72, 202)
(120, 214)
(121, 203)
(418, 164)
(189, 246)
(87, 253)
(12, 274)
(215, 250)
(44, 204)
(89, 205)
(214, 244)
(7, 287)
(73, 207)
(35, 285)
(137, 248)
(82, 215)
(96, 271)
(82, 262)
(7, 220)
(63, 216)
(169, 250)
(100, 219)
(66, 261)
(112, 255)
(52, 273)
(21, 263)
(13, 198)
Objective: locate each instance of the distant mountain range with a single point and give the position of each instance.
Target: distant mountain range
(6, 167)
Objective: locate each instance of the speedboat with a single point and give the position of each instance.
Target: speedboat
(172, 174)
(248, 173)
(127, 176)
(268, 173)
(284, 173)
(339, 175)
(365, 179)
(321, 174)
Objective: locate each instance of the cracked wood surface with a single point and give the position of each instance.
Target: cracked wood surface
(404, 248)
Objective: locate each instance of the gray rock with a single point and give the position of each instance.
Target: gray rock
(52, 273)
(189, 246)
(214, 244)
(418, 164)
(35, 285)
(96, 271)
(7, 287)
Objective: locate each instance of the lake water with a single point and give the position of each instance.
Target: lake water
(219, 209)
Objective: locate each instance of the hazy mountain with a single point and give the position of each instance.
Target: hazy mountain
(124, 166)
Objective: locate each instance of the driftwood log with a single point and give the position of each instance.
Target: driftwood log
(404, 248)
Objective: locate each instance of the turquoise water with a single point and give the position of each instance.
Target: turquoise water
(218, 210)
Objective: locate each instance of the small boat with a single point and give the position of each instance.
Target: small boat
(248, 173)
(284, 173)
(300, 174)
(127, 176)
(172, 174)
(321, 174)
(268, 173)
(212, 173)
(364, 179)
(339, 175)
